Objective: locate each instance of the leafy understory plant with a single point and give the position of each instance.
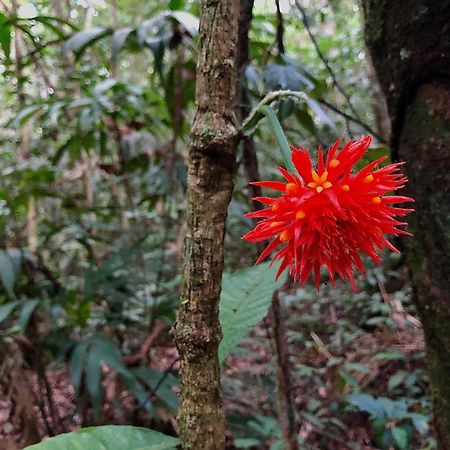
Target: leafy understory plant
(394, 425)
(109, 437)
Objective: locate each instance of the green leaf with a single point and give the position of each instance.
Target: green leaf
(24, 114)
(5, 35)
(7, 275)
(280, 137)
(176, 4)
(94, 380)
(118, 41)
(400, 437)
(320, 113)
(25, 313)
(420, 423)
(366, 403)
(389, 355)
(187, 20)
(6, 310)
(79, 41)
(77, 364)
(286, 77)
(109, 437)
(245, 299)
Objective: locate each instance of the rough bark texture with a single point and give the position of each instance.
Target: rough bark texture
(210, 183)
(410, 46)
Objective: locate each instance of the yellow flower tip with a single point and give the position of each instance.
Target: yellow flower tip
(285, 235)
(300, 214)
(275, 224)
(334, 163)
(312, 185)
(275, 207)
(323, 177)
(315, 177)
(327, 185)
(319, 189)
(368, 179)
(376, 200)
(345, 187)
(291, 187)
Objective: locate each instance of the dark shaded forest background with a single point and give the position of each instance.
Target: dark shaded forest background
(97, 105)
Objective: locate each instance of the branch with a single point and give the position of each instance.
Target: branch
(324, 60)
(354, 120)
(280, 29)
(275, 95)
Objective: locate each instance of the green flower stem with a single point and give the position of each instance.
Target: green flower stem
(279, 136)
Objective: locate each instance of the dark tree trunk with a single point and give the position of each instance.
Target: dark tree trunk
(410, 46)
(214, 138)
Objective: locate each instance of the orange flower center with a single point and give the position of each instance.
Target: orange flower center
(291, 187)
(285, 235)
(319, 183)
(334, 163)
(300, 214)
(368, 179)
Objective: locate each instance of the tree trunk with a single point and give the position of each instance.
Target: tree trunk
(214, 138)
(410, 46)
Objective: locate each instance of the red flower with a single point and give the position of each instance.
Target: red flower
(327, 217)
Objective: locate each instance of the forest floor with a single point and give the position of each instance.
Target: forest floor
(357, 366)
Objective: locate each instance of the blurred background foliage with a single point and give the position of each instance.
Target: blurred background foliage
(97, 100)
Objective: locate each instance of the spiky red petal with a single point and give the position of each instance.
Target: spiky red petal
(327, 218)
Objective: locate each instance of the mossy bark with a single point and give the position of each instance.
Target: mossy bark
(214, 138)
(410, 46)
(425, 144)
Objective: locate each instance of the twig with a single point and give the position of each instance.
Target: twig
(321, 347)
(134, 359)
(323, 59)
(157, 385)
(353, 119)
(267, 100)
(287, 411)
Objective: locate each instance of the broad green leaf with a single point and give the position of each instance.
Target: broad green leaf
(366, 403)
(118, 41)
(176, 4)
(245, 299)
(7, 275)
(82, 39)
(5, 35)
(25, 313)
(109, 437)
(7, 309)
(152, 378)
(420, 423)
(94, 380)
(286, 77)
(188, 20)
(88, 360)
(77, 365)
(400, 437)
(24, 114)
